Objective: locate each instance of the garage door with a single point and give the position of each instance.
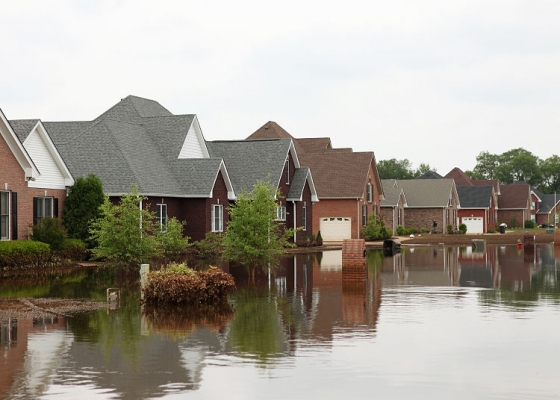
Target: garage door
(474, 224)
(336, 228)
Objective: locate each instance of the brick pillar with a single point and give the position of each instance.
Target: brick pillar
(353, 261)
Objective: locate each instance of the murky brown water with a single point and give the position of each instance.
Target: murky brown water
(428, 323)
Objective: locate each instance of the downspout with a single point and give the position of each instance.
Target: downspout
(295, 221)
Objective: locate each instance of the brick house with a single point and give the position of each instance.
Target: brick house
(393, 208)
(479, 201)
(33, 178)
(139, 142)
(348, 185)
(428, 201)
(548, 209)
(275, 161)
(515, 204)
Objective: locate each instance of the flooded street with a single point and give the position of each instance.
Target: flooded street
(427, 323)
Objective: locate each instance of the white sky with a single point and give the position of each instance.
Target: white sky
(431, 81)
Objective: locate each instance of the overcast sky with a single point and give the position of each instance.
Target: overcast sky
(430, 81)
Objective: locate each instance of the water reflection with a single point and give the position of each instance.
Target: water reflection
(301, 325)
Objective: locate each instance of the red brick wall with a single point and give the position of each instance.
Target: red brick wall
(338, 208)
(12, 178)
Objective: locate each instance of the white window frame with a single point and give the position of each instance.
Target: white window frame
(4, 215)
(217, 218)
(161, 215)
(280, 213)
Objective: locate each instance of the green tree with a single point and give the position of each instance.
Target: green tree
(422, 169)
(82, 207)
(519, 165)
(486, 164)
(124, 232)
(254, 238)
(171, 242)
(395, 169)
(375, 229)
(550, 170)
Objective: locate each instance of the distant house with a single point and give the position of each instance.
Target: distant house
(477, 210)
(479, 201)
(393, 207)
(515, 204)
(548, 209)
(33, 178)
(428, 201)
(348, 185)
(275, 161)
(139, 142)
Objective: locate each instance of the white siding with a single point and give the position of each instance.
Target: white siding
(51, 176)
(191, 146)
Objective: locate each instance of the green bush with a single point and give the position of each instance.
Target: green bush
(529, 224)
(375, 229)
(182, 287)
(449, 229)
(209, 250)
(462, 229)
(319, 239)
(50, 231)
(401, 231)
(20, 247)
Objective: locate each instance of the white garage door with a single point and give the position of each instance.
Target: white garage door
(474, 224)
(336, 228)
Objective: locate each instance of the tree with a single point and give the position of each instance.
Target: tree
(123, 233)
(486, 164)
(422, 169)
(518, 165)
(550, 170)
(254, 238)
(82, 207)
(395, 169)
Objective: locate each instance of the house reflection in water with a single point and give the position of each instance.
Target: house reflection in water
(496, 267)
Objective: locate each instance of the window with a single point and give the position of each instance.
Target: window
(287, 168)
(4, 215)
(281, 213)
(304, 218)
(369, 192)
(42, 207)
(161, 216)
(217, 218)
(533, 205)
(364, 215)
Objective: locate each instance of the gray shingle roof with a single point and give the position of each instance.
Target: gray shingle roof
(298, 184)
(392, 196)
(249, 161)
(137, 141)
(427, 192)
(475, 196)
(547, 203)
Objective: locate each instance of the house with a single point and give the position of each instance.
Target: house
(548, 209)
(477, 210)
(348, 185)
(139, 142)
(515, 204)
(428, 201)
(275, 161)
(393, 207)
(33, 178)
(479, 207)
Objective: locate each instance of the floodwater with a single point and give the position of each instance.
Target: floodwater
(427, 323)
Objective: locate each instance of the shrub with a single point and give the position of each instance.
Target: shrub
(24, 254)
(401, 231)
(491, 231)
(375, 229)
(319, 239)
(50, 231)
(529, 224)
(449, 229)
(209, 250)
(184, 287)
(462, 229)
(513, 223)
(172, 243)
(424, 230)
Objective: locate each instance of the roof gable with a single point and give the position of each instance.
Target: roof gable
(18, 150)
(475, 196)
(54, 173)
(427, 192)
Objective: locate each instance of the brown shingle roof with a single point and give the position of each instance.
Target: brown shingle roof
(460, 178)
(339, 174)
(514, 196)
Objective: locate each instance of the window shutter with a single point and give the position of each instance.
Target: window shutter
(35, 209)
(14, 216)
(55, 207)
